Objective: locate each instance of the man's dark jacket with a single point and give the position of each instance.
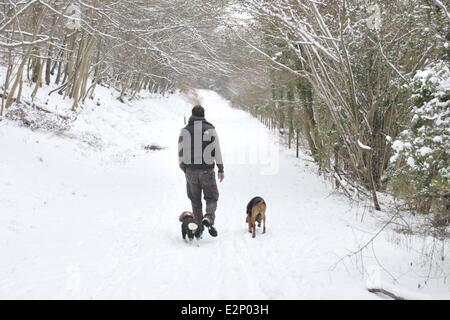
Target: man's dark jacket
(207, 130)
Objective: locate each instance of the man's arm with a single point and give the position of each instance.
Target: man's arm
(217, 152)
(218, 156)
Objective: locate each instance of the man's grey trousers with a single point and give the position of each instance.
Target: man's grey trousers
(198, 180)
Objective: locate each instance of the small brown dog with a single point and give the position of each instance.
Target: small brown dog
(256, 212)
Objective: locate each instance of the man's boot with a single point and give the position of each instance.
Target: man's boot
(207, 223)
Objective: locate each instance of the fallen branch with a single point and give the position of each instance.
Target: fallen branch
(375, 284)
(385, 292)
(42, 109)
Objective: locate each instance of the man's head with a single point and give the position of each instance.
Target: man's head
(198, 111)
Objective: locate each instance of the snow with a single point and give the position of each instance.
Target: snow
(393, 159)
(411, 162)
(398, 145)
(363, 146)
(90, 214)
(424, 151)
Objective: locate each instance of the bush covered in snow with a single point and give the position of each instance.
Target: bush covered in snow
(422, 151)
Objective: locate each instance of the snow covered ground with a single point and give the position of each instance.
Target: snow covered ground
(90, 214)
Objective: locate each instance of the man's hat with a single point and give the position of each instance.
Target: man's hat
(198, 111)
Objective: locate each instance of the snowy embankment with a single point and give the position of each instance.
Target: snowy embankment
(89, 213)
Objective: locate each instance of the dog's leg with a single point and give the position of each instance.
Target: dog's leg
(248, 220)
(264, 224)
(253, 226)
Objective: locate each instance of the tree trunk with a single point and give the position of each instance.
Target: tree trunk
(21, 67)
(6, 83)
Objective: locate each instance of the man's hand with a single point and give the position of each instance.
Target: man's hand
(221, 176)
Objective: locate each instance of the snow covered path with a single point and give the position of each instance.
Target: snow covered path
(75, 223)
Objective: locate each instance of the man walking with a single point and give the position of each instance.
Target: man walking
(198, 151)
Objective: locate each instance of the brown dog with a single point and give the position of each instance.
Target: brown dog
(256, 212)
